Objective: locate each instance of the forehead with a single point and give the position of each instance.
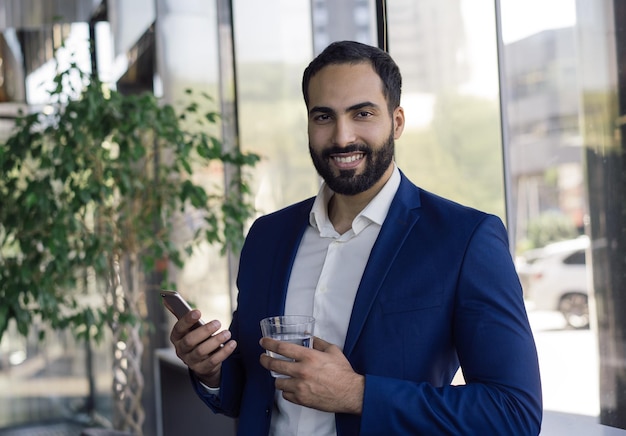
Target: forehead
(344, 85)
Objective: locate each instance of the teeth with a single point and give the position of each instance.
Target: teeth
(348, 159)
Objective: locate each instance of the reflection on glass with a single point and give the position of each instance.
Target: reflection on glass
(185, 64)
(548, 206)
(545, 144)
(603, 86)
(338, 21)
(273, 46)
(446, 51)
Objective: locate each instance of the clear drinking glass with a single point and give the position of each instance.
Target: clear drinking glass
(296, 329)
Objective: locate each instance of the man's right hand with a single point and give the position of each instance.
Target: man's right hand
(202, 349)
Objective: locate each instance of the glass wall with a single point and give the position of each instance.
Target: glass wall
(512, 107)
(273, 45)
(182, 65)
(601, 38)
(447, 52)
(458, 113)
(540, 90)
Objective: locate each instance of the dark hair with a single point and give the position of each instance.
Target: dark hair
(350, 52)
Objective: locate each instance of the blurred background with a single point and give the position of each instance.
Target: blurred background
(515, 108)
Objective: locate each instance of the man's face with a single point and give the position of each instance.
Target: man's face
(351, 133)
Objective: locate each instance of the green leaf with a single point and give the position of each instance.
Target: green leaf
(83, 191)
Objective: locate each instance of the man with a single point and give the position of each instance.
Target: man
(404, 286)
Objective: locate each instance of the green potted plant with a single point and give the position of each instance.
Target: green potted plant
(88, 194)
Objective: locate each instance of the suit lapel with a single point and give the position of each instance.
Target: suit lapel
(292, 231)
(402, 216)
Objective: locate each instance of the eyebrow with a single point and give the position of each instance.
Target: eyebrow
(355, 107)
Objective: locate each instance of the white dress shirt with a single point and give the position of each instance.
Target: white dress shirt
(324, 280)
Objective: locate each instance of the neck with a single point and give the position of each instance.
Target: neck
(342, 209)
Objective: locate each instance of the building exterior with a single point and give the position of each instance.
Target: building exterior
(543, 107)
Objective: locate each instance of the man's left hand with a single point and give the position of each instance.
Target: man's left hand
(320, 378)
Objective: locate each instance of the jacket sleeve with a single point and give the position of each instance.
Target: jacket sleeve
(228, 400)
(496, 351)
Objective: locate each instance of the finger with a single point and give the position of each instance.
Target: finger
(280, 366)
(265, 361)
(194, 337)
(208, 370)
(207, 343)
(184, 324)
(209, 353)
(209, 362)
(287, 349)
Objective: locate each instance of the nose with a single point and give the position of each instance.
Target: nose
(344, 133)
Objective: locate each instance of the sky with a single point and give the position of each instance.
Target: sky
(521, 18)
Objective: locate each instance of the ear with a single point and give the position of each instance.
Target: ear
(398, 122)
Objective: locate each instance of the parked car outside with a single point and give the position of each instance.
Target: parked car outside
(555, 277)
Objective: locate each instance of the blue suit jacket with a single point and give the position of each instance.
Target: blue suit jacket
(439, 290)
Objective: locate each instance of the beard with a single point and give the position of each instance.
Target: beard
(347, 182)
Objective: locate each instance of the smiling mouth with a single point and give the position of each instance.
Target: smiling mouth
(346, 159)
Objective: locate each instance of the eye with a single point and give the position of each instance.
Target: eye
(363, 114)
(320, 118)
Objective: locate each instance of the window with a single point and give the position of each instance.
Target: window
(577, 258)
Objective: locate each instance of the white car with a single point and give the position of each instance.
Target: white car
(556, 278)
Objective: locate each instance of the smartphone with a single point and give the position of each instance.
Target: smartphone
(176, 304)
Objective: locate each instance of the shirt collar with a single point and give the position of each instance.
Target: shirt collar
(374, 212)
